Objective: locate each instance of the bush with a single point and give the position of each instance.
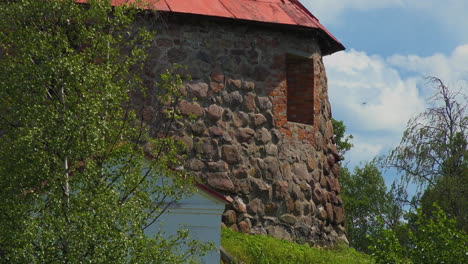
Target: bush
(434, 239)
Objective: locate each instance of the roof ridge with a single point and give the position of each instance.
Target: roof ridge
(303, 8)
(221, 2)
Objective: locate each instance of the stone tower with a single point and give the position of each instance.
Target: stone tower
(262, 132)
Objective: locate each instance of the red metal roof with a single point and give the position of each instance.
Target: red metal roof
(285, 12)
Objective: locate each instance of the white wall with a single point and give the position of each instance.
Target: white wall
(201, 213)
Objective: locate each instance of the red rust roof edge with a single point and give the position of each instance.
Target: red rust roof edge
(301, 6)
(212, 193)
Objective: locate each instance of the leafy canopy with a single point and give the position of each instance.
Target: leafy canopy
(76, 186)
(367, 203)
(342, 141)
(433, 239)
(433, 153)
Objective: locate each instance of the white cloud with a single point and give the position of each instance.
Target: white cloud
(365, 149)
(370, 93)
(451, 68)
(375, 96)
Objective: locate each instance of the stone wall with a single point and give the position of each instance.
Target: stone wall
(281, 175)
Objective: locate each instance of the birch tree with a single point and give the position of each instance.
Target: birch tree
(71, 143)
(433, 153)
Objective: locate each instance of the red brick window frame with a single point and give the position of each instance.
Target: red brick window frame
(300, 89)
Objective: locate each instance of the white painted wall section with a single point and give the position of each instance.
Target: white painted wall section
(201, 214)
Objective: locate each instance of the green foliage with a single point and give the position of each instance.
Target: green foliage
(450, 193)
(267, 250)
(385, 247)
(343, 143)
(76, 186)
(433, 154)
(366, 200)
(431, 239)
(436, 239)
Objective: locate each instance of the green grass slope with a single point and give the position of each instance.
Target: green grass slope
(253, 249)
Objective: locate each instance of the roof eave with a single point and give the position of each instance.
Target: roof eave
(327, 42)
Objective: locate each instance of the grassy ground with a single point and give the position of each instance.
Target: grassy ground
(252, 249)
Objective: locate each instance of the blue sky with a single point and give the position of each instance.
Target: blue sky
(391, 45)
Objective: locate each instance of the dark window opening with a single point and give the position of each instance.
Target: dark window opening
(300, 89)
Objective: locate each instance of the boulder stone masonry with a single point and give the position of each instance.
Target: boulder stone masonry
(281, 176)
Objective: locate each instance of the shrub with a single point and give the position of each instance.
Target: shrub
(434, 239)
